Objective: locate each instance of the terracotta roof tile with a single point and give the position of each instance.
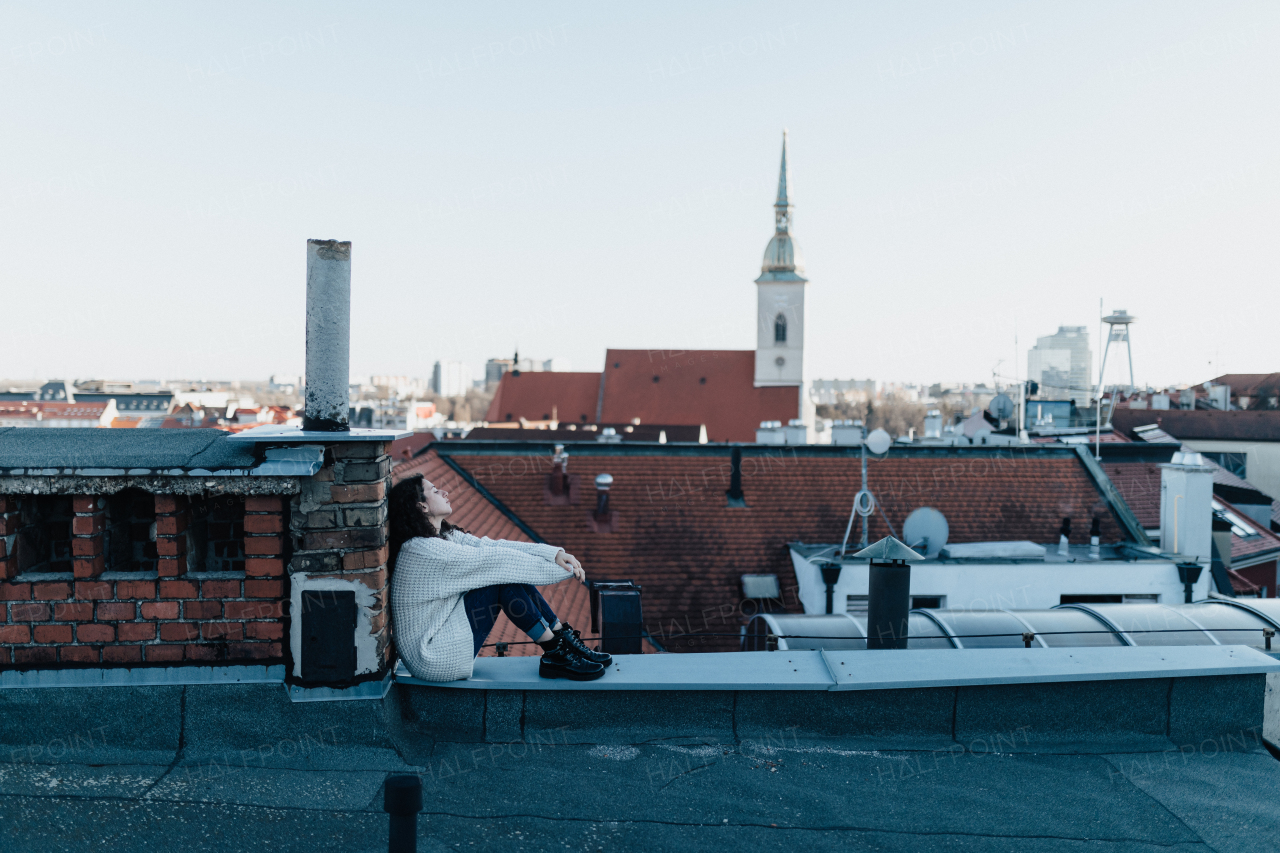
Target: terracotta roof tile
(711, 387)
(1204, 424)
(546, 396)
(677, 538)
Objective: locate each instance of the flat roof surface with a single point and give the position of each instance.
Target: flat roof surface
(252, 772)
(37, 449)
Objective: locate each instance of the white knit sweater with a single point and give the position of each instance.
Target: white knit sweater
(432, 633)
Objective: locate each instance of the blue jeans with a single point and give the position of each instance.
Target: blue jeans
(523, 604)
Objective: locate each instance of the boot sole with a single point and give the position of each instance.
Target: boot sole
(545, 672)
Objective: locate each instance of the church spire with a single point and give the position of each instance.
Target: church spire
(782, 207)
(782, 260)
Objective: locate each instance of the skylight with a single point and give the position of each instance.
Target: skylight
(1239, 526)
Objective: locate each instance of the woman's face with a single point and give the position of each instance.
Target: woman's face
(436, 504)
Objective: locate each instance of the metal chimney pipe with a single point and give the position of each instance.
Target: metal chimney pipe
(888, 604)
(328, 336)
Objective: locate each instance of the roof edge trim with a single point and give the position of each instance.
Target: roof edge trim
(489, 496)
(1112, 496)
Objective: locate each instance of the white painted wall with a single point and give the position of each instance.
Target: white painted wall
(1262, 462)
(786, 298)
(1015, 586)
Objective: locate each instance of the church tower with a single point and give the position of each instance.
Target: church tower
(780, 291)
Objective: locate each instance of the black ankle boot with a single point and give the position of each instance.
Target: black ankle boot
(574, 638)
(563, 661)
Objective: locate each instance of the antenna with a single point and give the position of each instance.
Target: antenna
(926, 530)
(1002, 407)
(864, 503)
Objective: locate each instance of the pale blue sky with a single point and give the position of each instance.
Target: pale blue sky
(571, 177)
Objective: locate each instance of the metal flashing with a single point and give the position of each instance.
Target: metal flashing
(893, 669)
(888, 669)
(141, 677)
(283, 434)
(1112, 496)
(363, 690)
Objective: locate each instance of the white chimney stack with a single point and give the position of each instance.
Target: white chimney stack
(328, 336)
(1186, 507)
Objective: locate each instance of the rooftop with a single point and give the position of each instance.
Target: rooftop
(1204, 424)
(674, 531)
(1107, 752)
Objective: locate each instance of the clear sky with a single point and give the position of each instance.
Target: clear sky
(571, 177)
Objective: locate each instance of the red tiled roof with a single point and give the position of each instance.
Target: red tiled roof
(1240, 584)
(53, 409)
(1139, 485)
(407, 447)
(545, 396)
(1204, 424)
(1243, 547)
(567, 434)
(711, 387)
(1251, 384)
(677, 538)
(480, 517)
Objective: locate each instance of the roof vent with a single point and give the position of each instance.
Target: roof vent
(603, 518)
(734, 494)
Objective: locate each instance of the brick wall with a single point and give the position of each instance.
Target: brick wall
(170, 614)
(338, 527)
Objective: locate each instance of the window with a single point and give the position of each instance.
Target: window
(1236, 463)
(1091, 599)
(43, 539)
(928, 602)
(780, 329)
(127, 538)
(215, 536)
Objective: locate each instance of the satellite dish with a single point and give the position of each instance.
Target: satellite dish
(879, 442)
(1001, 407)
(926, 531)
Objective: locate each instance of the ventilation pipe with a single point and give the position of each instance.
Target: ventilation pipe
(1064, 537)
(328, 336)
(889, 593)
(1095, 539)
(735, 495)
(559, 471)
(603, 483)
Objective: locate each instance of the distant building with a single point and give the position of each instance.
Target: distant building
(1062, 364)
(494, 368)
(451, 378)
(402, 386)
(54, 413)
(833, 391)
(283, 384)
(730, 392)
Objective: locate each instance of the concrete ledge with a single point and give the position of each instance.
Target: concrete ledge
(806, 670)
(896, 669)
(711, 671)
(151, 675)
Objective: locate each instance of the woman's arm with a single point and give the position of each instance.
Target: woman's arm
(538, 549)
(437, 568)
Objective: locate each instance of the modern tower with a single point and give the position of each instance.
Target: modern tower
(780, 292)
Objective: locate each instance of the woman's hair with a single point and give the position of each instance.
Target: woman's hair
(407, 519)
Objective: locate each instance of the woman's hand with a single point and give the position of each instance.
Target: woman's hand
(570, 563)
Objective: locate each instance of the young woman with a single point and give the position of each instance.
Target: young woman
(448, 587)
